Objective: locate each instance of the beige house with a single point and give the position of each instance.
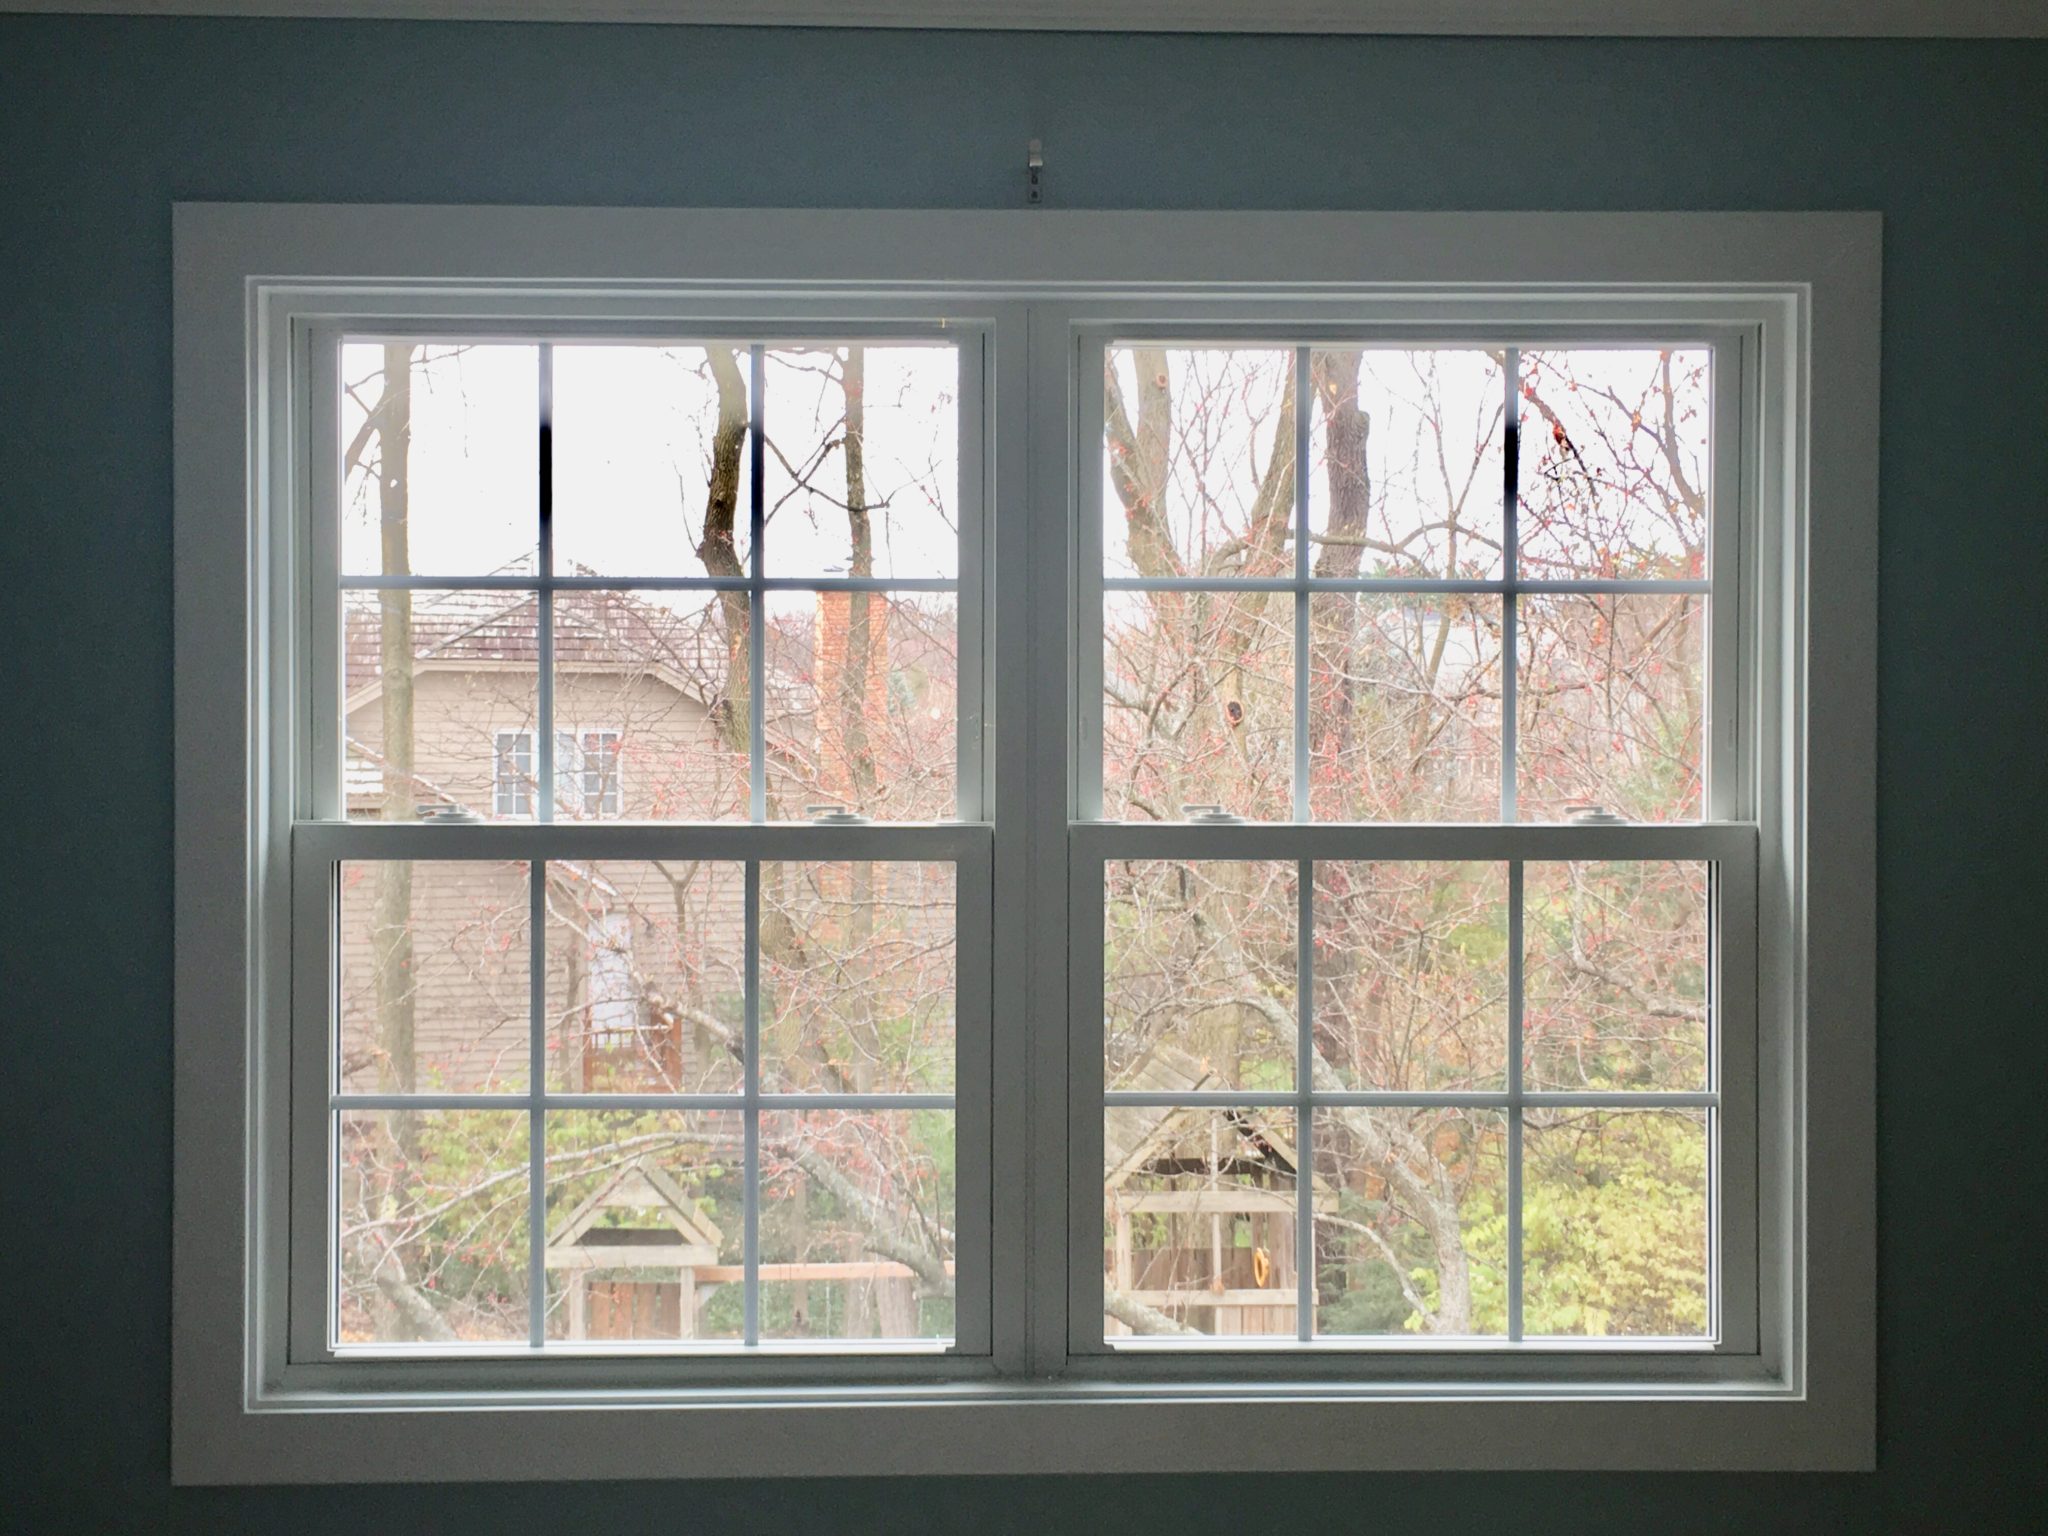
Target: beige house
(645, 958)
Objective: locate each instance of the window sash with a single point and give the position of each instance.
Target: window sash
(1728, 837)
(318, 749)
(316, 1095)
(1728, 1094)
(1730, 785)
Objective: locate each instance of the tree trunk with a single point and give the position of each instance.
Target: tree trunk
(718, 549)
(407, 1315)
(392, 924)
(855, 671)
(862, 620)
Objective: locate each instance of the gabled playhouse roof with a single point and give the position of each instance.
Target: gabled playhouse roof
(685, 1238)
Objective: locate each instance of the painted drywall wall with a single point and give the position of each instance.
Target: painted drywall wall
(103, 123)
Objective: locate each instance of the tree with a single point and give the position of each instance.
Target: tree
(1410, 962)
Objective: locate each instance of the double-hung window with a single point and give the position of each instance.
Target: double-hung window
(1413, 890)
(915, 843)
(689, 1084)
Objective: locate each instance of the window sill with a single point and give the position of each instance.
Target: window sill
(1745, 1418)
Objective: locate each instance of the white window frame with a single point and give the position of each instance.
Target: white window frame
(1725, 838)
(305, 537)
(1799, 290)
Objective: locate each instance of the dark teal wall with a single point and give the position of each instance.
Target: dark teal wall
(104, 123)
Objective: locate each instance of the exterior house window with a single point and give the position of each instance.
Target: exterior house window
(512, 774)
(1219, 870)
(586, 773)
(594, 756)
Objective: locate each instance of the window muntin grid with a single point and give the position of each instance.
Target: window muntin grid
(566, 586)
(924, 519)
(1507, 589)
(1174, 1082)
(1106, 833)
(550, 780)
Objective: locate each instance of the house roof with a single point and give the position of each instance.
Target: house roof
(600, 630)
(591, 629)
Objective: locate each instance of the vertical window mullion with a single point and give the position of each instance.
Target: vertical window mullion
(1304, 1088)
(1514, 1194)
(536, 1094)
(537, 894)
(1304, 987)
(1510, 645)
(757, 605)
(1731, 780)
(751, 1112)
(1090, 616)
(757, 811)
(544, 597)
(1302, 568)
(1511, 570)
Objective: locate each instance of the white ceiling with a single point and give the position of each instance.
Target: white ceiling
(1640, 18)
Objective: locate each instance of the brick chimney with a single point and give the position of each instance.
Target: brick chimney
(832, 645)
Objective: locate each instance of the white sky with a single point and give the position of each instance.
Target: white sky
(632, 442)
(633, 427)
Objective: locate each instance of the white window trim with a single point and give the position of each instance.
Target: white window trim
(1808, 286)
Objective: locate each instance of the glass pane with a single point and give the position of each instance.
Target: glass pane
(432, 1221)
(1198, 461)
(1411, 1223)
(863, 704)
(863, 471)
(1407, 462)
(1198, 975)
(1411, 975)
(858, 978)
(433, 963)
(1197, 704)
(440, 458)
(651, 703)
(1199, 1222)
(1616, 975)
(1615, 456)
(439, 699)
(646, 1226)
(1614, 1226)
(651, 473)
(1611, 701)
(646, 984)
(857, 1223)
(1404, 707)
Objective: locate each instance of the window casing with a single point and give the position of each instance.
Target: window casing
(1030, 847)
